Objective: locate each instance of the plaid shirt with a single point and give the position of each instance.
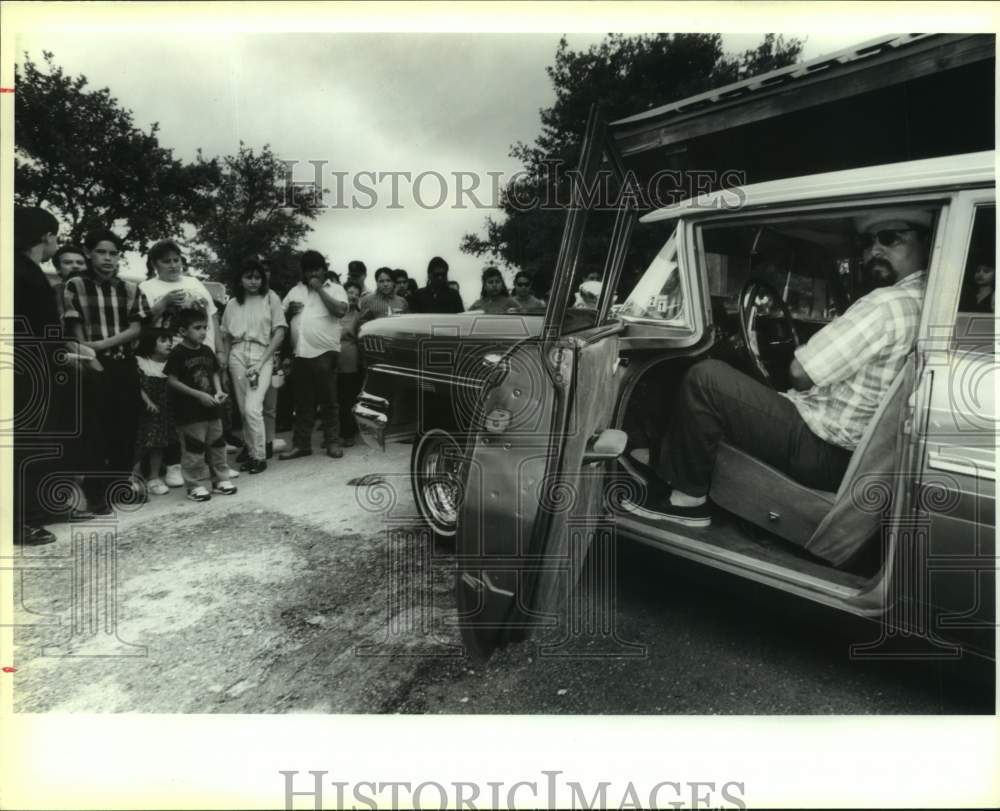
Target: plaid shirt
(853, 360)
(104, 308)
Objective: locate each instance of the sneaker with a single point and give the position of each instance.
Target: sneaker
(199, 494)
(657, 507)
(335, 450)
(174, 477)
(257, 466)
(33, 536)
(278, 445)
(157, 487)
(224, 488)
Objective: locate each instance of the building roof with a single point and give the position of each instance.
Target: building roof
(869, 66)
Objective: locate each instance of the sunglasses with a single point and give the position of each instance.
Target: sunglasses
(887, 237)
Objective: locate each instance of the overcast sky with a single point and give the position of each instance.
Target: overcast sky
(361, 102)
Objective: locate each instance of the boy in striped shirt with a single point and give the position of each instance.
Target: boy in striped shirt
(100, 311)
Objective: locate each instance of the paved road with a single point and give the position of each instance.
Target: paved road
(306, 593)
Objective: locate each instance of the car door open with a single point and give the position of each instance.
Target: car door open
(542, 436)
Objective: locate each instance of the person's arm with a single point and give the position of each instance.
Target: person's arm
(292, 305)
(218, 332)
(125, 336)
(227, 347)
(220, 394)
(336, 308)
(277, 338)
(799, 377)
(202, 397)
(843, 347)
(150, 405)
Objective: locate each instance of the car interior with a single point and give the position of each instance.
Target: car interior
(773, 283)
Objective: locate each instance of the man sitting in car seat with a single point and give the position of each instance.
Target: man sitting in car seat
(840, 377)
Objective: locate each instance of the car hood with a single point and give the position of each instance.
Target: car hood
(462, 325)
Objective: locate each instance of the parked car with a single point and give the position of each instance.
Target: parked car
(529, 429)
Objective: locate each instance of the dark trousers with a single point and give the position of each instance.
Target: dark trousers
(717, 402)
(48, 437)
(111, 416)
(348, 388)
(315, 382)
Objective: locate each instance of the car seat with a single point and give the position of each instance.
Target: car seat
(832, 526)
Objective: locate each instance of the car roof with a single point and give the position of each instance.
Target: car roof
(952, 171)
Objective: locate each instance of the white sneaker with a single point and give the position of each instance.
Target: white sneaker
(174, 477)
(278, 445)
(157, 487)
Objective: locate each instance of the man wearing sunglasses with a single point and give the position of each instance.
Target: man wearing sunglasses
(840, 377)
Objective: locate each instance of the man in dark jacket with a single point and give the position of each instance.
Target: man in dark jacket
(44, 384)
(436, 297)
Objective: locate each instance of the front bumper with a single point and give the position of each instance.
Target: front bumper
(372, 415)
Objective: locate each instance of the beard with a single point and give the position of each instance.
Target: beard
(879, 273)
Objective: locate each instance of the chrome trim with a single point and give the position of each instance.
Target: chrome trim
(373, 399)
(957, 463)
(371, 424)
(429, 377)
(740, 564)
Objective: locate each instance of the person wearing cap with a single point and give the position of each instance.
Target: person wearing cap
(839, 377)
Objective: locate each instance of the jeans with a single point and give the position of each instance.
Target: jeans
(196, 438)
(717, 402)
(315, 381)
(243, 357)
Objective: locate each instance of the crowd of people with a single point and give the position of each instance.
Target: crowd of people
(168, 376)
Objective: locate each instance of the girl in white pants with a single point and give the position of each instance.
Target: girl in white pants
(253, 327)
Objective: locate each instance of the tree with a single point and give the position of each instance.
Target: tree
(253, 211)
(79, 153)
(624, 74)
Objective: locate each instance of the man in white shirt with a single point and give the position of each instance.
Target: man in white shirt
(313, 309)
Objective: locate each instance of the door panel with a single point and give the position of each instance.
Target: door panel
(524, 529)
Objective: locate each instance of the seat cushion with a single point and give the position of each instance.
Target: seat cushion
(767, 497)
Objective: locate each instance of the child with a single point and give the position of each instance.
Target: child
(193, 375)
(166, 291)
(101, 312)
(253, 327)
(156, 424)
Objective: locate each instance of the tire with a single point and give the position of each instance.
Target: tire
(437, 474)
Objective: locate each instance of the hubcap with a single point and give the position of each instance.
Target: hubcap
(441, 473)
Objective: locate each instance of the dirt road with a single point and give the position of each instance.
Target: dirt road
(304, 593)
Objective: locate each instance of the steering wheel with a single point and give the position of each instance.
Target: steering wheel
(752, 297)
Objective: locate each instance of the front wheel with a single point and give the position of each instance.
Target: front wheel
(437, 472)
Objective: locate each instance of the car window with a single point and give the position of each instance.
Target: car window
(808, 261)
(975, 327)
(813, 260)
(602, 199)
(658, 295)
